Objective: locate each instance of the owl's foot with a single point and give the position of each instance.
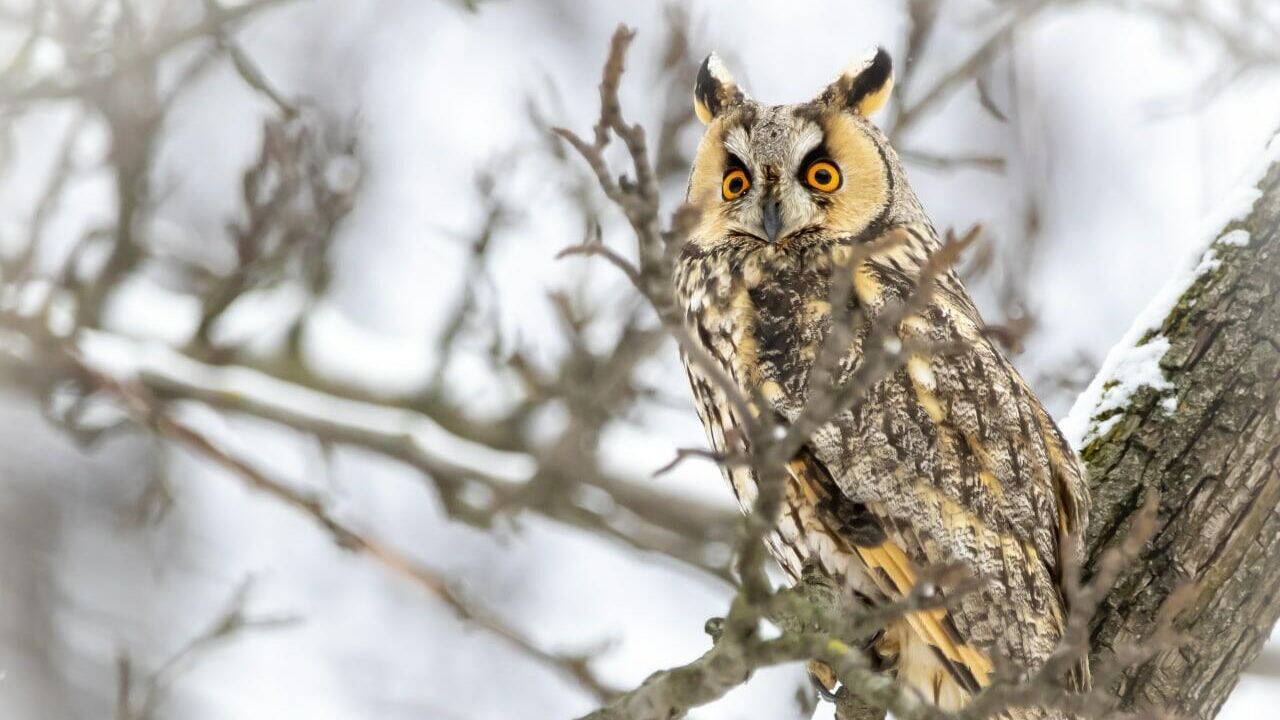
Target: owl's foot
(823, 679)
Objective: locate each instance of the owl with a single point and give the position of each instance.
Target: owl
(947, 461)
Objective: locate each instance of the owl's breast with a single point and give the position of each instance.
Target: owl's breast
(765, 316)
(790, 318)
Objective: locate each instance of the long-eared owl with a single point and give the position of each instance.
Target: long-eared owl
(947, 460)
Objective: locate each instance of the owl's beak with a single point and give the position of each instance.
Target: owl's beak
(772, 219)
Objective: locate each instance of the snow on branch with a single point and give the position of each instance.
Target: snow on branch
(1134, 362)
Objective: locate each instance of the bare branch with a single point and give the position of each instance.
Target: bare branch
(146, 412)
(155, 686)
(210, 26)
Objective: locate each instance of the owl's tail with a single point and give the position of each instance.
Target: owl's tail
(919, 666)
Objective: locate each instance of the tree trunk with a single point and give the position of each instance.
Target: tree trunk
(1215, 460)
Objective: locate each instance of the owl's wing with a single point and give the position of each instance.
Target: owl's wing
(882, 545)
(955, 461)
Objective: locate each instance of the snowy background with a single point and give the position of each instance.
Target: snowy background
(1119, 141)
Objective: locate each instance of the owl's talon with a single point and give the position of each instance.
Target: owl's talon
(823, 678)
(823, 692)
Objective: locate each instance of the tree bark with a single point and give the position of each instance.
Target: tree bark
(1215, 460)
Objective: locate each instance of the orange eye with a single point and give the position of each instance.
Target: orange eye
(823, 175)
(735, 184)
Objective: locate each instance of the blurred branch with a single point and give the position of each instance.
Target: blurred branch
(246, 68)
(126, 62)
(679, 528)
(233, 622)
(968, 70)
(922, 15)
(1248, 39)
(19, 267)
(989, 163)
(147, 412)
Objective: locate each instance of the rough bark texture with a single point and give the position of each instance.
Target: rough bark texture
(1216, 463)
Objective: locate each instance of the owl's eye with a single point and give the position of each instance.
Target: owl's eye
(823, 175)
(735, 185)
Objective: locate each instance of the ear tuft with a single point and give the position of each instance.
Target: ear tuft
(715, 91)
(865, 86)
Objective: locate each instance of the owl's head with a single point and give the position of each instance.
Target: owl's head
(782, 173)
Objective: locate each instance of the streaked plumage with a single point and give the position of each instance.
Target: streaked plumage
(950, 459)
